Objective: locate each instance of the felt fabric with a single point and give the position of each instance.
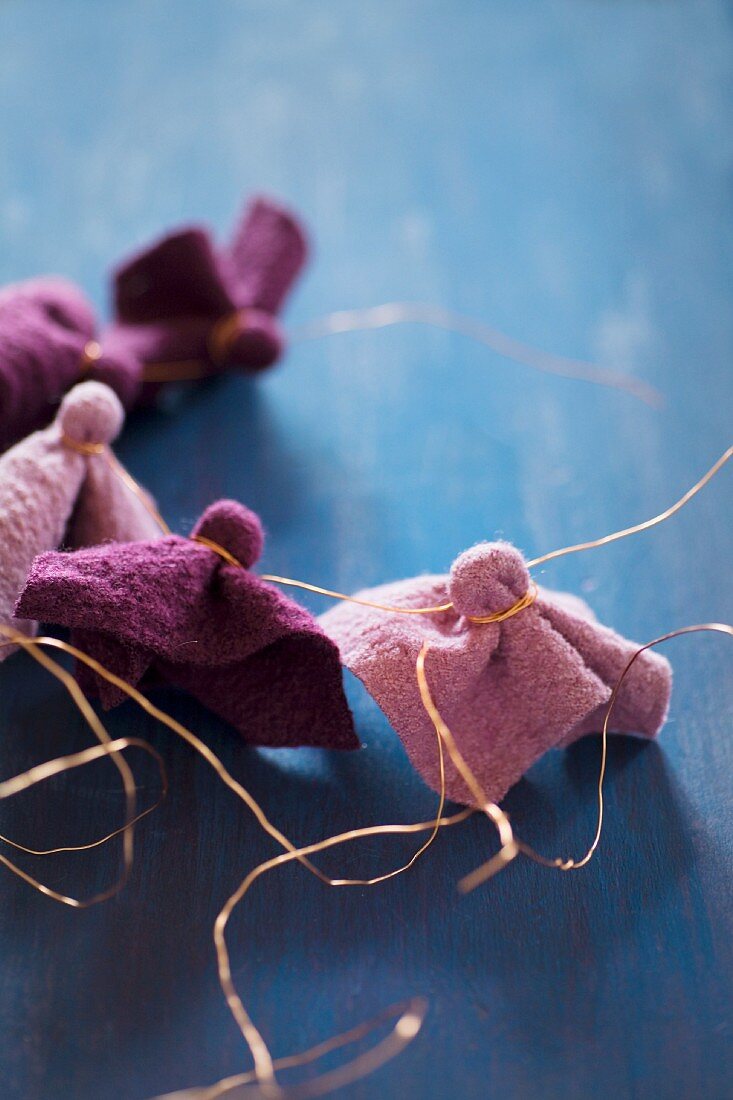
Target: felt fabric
(168, 300)
(508, 691)
(169, 297)
(175, 610)
(45, 325)
(42, 479)
(108, 509)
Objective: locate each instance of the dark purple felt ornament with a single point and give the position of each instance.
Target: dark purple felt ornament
(181, 611)
(183, 310)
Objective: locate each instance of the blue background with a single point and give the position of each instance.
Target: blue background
(562, 170)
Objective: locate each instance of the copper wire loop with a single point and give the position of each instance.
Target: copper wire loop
(90, 355)
(81, 447)
(525, 601)
(224, 332)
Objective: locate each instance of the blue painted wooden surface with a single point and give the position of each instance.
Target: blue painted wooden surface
(562, 170)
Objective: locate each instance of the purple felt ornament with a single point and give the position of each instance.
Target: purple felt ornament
(183, 301)
(48, 342)
(177, 610)
(510, 690)
(183, 310)
(58, 486)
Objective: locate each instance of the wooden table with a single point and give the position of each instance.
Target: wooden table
(561, 170)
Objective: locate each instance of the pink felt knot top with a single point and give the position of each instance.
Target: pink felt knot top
(55, 488)
(180, 611)
(184, 299)
(509, 691)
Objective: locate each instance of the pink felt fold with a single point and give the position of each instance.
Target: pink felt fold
(50, 493)
(509, 691)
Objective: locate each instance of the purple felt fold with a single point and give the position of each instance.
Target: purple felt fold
(51, 493)
(168, 300)
(45, 325)
(509, 691)
(174, 609)
(169, 296)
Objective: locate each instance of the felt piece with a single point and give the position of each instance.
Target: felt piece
(508, 691)
(45, 326)
(175, 610)
(41, 481)
(169, 297)
(110, 509)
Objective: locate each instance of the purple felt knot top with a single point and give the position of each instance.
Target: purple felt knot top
(176, 610)
(509, 690)
(182, 302)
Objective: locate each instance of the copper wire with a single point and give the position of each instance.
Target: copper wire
(81, 447)
(91, 354)
(15, 637)
(101, 450)
(226, 329)
(264, 1065)
(638, 527)
(423, 313)
(222, 336)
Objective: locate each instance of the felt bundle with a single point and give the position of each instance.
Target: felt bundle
(47, 344)
(188, 309)
(190, 613)
(508, 690)
(59, 484)
(183, 309)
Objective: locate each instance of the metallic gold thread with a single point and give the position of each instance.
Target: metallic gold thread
(226, 330)
(91, 354)
(497, 617)
(264, 1064)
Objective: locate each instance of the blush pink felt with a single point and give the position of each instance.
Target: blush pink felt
(508, 691)
(175, 610)
(49, 490)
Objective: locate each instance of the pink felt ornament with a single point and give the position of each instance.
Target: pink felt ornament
(508, 690)
(58, 486)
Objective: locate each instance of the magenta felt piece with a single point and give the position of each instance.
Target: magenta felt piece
(174, 609)
(509, 691)
(46, 327)
(51, 493)
(184, 299)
